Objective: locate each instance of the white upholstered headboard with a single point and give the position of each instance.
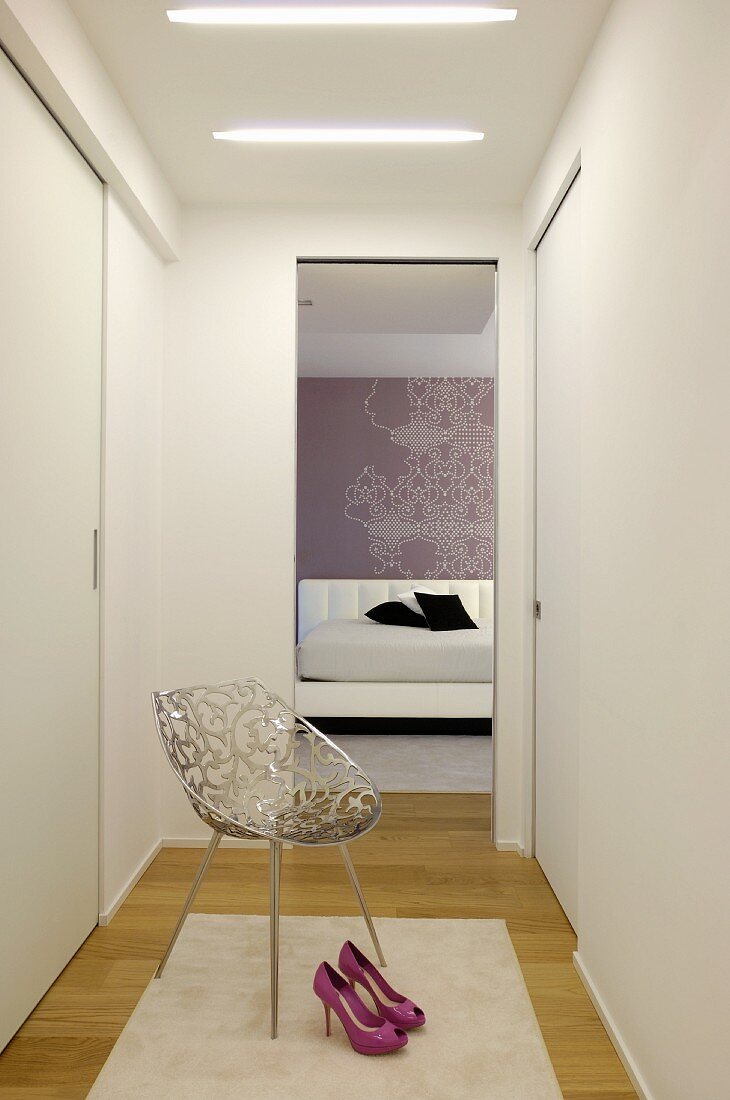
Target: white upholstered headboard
(350, 599)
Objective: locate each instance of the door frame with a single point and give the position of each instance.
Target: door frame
(474, 261)
(530, 769)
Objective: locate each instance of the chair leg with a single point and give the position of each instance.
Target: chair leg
(214, 842)
(361, 901)
(274, 891)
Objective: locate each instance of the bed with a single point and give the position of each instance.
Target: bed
(348, 666)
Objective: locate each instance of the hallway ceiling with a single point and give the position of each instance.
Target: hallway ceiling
(181, 82)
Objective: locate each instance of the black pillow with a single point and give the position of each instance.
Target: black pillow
(445, 612)
(395, 613)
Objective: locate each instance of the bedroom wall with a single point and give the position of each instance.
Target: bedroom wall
(394, 477)
(651, 117)
(396, 354)
(131, 758)
(229, 446)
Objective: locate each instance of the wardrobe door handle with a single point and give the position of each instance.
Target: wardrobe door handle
(96, 559)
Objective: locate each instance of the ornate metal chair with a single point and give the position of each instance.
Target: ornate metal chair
(254, 769)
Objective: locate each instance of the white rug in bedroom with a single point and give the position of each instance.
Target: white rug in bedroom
(427, 762)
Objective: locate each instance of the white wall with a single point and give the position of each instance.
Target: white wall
(48, 44)
(229, 446)
(131, 562)
(399, 354)
(651, 118)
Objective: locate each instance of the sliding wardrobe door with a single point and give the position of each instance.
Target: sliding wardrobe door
(557, 552)
(51, 231)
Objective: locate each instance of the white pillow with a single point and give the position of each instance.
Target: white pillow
(410, 600)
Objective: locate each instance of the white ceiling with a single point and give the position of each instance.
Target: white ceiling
(182, 82)
(396, 320)
(412, 298)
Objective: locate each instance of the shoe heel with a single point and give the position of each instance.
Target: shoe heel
(390, 1005)
(366, 1031)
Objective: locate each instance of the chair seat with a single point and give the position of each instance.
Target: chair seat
(328, 818)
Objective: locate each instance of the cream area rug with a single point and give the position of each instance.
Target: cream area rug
(202, 1030)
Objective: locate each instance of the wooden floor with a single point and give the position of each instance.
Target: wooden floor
(429, 857)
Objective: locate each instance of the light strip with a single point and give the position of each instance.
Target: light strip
(349, 136)
(390, 15)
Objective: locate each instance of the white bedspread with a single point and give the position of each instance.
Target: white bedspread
(361, 650)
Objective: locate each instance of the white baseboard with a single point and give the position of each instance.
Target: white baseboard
(107, 915)
(509, 846)
(614, 1034)
(203, 841)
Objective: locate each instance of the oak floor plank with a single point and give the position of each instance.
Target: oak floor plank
(429, 857)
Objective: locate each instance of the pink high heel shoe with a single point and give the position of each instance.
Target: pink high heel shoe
(399, 1010)
(368, 1033)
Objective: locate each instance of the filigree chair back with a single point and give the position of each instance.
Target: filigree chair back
(251, 767)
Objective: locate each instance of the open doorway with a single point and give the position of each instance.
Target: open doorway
(396, 365)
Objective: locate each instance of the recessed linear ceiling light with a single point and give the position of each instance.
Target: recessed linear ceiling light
(340, 15)
(351, 136)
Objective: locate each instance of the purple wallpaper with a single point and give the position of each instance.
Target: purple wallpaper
(394, 477)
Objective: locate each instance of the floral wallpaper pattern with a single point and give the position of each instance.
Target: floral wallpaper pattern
(437, 513)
